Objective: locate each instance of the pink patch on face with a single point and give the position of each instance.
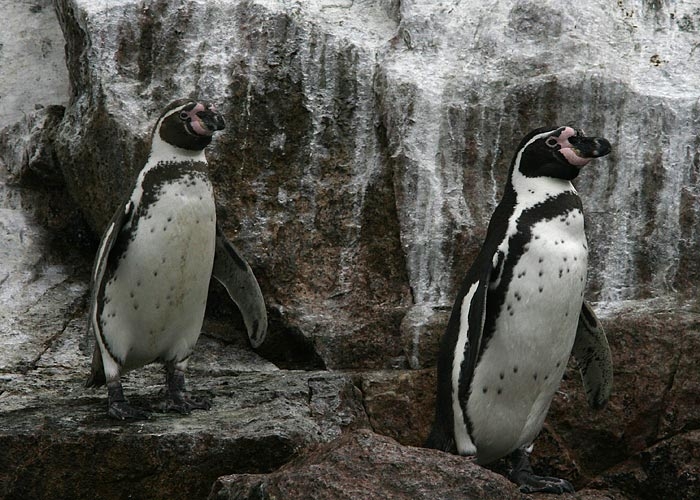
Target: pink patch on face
(196, 123)
(568, 150)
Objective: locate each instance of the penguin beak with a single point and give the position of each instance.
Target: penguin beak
(211, 119)
(590, 147)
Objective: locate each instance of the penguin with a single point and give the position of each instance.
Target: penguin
(154, 262)
(520, 314)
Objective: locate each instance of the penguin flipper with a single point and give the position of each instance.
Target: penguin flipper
(593, 357)
(459, 352)
(232, 271)
(122, 215)
(97, 376)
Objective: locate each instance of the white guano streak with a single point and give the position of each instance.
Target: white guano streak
(465, 446)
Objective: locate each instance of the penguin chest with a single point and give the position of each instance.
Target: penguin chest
(156, 296)
(533, 334)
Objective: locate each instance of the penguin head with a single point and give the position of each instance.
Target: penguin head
(557, 152)
(188, 124)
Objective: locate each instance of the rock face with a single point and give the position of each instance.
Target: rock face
(367, 145)
(382, 132)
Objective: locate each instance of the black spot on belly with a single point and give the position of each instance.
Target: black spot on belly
(138, 283)
(155, 273)
(485, 390)
(541, 260)
(170, 219)
(502, 375)
(541, 289)
(153, 229)
(534, 376)
(515, 369)
(540, 273)
(499, 391)
(136, 306)
(558, 364)
(131, 294)
(561, 272)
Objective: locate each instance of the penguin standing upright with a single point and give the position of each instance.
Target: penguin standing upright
(155, 260)
(520, 312)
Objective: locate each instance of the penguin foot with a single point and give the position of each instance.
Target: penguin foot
(119, 408)
(543, 484)
(184, 404)
(522, 475)
(177, 399)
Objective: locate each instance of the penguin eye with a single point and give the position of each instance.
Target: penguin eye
(551, 142)
(184, 115)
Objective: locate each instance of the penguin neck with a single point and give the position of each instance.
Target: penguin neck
(162, 151)
(529, 191)
(522, 193)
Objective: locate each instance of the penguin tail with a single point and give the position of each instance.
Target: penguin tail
(97, 372)
(439, 440)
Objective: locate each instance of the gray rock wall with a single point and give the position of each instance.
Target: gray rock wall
(368, 142)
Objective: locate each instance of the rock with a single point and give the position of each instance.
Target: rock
(382, 133)
(399, 403)
(366, 149)
(26, 148)
(652, 402)
(364, 465)
(56, 430)
(34, 72)
(669, 469)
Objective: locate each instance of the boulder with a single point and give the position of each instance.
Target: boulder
(364, 465)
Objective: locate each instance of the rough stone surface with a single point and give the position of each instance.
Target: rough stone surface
(364, 465)
(382, 132)
(34, 72)
(367, 146)
(55, 430)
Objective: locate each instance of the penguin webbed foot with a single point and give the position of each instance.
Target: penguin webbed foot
(177, 399)
(528, 482)
(119, 408)
(184, 404)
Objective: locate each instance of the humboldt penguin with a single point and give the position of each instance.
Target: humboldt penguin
(520, 313)
(154, 263)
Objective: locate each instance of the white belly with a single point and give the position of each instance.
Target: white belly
(522, 366)
(155, 302)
